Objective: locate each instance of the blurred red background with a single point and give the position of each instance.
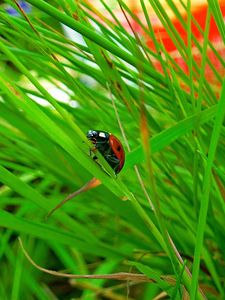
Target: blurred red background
(199, 11)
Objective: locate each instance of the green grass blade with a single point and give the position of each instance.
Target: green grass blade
(219, 118)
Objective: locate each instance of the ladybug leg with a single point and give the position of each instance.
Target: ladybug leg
(113, 161)
(92, 150)
(93, 155)
(95, 158)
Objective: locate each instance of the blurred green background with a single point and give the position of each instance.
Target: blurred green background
(152, 74)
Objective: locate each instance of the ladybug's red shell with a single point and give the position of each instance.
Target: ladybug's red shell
(117, 148)
(109, 146)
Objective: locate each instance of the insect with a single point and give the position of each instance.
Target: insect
(110, 148)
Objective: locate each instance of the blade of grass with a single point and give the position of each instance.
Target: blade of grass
(166, 137)
(218, 17)
(95, 37)
(220, 113)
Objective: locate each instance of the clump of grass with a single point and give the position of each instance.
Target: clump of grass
(163, 216)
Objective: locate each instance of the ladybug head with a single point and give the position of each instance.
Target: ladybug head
(98, 136)
(92, 134)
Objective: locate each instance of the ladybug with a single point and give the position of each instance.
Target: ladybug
(110, 148)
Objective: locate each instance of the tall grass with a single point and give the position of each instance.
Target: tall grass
(163, 215)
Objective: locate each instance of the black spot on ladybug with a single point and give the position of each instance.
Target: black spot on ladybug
(118, 148)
